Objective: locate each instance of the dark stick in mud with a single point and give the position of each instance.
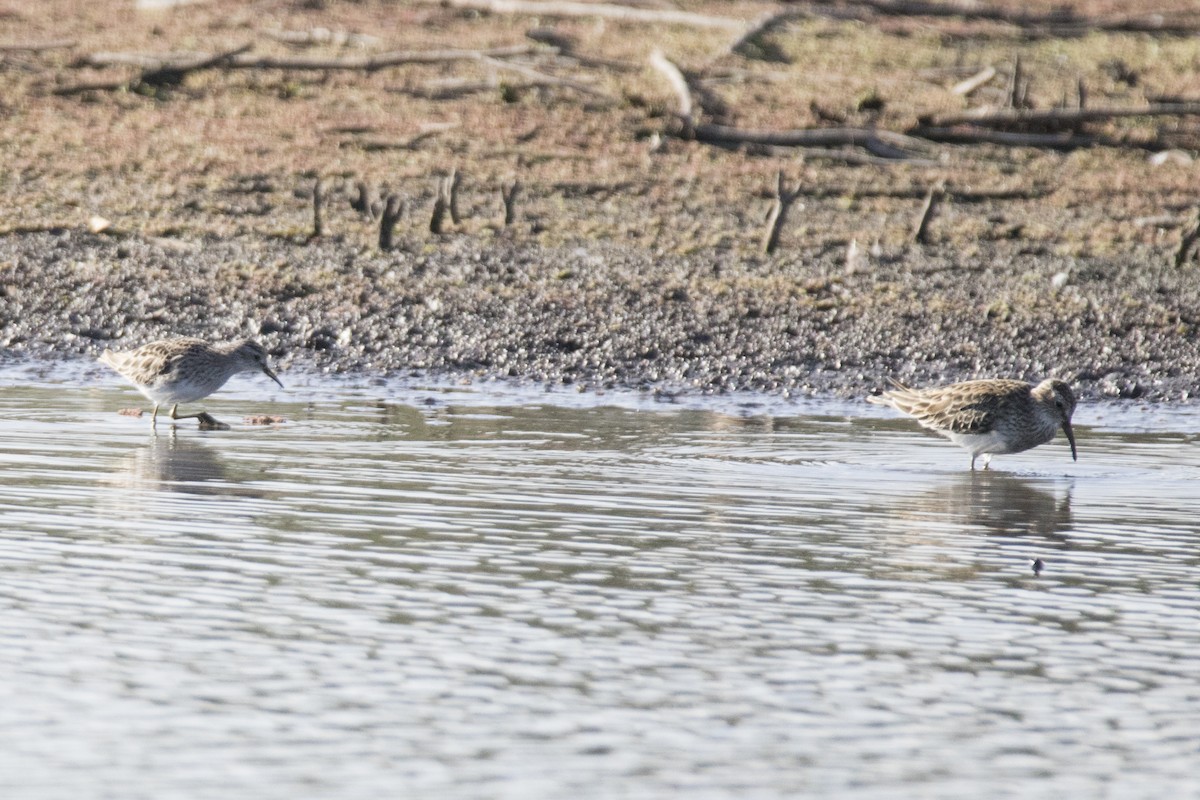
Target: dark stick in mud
(928, 209)
(318, 198)
(778, 214)
(508, 196)
(393, 209)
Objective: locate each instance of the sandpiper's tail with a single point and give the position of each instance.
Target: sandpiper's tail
(885, 398)
(112, 359)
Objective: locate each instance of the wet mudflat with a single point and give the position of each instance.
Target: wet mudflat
(481, 593)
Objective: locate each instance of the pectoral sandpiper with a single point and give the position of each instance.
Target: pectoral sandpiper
(185, 370)
(989, 416)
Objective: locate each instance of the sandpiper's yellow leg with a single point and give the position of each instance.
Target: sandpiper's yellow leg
(198, 415)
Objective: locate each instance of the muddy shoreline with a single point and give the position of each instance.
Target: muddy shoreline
(632, 254)
(599, 316)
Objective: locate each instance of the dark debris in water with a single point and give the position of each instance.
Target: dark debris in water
(210, 423)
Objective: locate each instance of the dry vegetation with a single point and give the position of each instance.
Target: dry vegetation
(235, 151)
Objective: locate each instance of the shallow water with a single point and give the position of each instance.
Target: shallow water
(494, 593)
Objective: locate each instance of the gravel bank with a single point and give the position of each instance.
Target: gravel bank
(605, 316)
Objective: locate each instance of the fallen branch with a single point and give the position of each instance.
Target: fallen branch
(683, 93)
(451, 88)
(243, 61)
(37, 47)
(322, 36)
(743, 45)
(541, 79)
(155, 71)
(173, 74)
(429, 131)
(886, 142)
(1062, 22)
(1055, 117)
(1052, 141)
(83, 88)
(608, 11)
(966, 88)
(854, 157)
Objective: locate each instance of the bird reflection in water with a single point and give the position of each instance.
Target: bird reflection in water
(1001, 503)
(174, 463)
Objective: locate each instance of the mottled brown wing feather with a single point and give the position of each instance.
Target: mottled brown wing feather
(957, 408)
(167, 356)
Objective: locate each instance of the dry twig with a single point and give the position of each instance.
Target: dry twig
(541, 79)
(887, 143)
(928, 209)
(778, 214)
(968, 86)
(508, 196)
(1185, 245)
(744, 44)
(37, 47)
(174, 73)
(366, 203)
(1062, 22)
(444, 202)
(240, 60)
(452, 184)
(318, 199)
(683, 94)
(1055, 117)
(392, 211)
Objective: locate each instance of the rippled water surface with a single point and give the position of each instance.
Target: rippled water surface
(462, 594)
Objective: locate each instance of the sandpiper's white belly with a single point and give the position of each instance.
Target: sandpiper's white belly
(182, 391)
(979, 443)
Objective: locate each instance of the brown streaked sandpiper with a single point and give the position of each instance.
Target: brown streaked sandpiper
(186, 370)
(989, 416)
